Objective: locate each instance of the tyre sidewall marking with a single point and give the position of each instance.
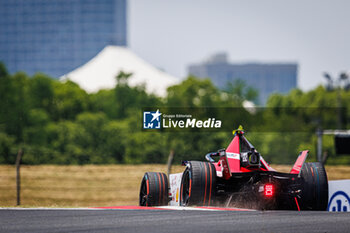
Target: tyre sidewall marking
(163, 181)
(317, 183)
(159, 188)
(206, 180)
(147, 184)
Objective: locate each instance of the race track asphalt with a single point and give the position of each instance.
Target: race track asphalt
(164, 221)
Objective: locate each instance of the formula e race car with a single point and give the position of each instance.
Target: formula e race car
(240, 178)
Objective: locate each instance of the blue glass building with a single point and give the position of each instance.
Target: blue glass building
(57, 36)
(265, 78)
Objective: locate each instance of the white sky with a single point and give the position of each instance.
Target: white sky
(173, 34)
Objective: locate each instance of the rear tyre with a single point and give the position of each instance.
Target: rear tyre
(154, 189)
(314, 195)
(198, 184)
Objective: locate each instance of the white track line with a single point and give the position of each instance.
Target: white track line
(185, 208)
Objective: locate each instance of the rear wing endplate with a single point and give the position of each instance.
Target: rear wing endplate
(299, 163)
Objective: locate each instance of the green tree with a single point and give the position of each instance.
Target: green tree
(131, 99)
(69, 100)
(41, 92)
(105, 101)
(16, 106)
(64, 139)
(144, 147)
(193, 92)
(35, 131)
(6, 144)
(115, 136)
(239, 91)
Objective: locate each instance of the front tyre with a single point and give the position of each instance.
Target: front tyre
(154, 189)
(314, 195)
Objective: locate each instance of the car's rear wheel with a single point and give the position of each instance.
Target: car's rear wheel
(314, 195)
(198, 184)
(154, 189)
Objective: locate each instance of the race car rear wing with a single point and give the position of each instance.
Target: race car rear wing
(296, 169)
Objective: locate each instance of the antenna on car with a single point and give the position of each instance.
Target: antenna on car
(238, 131)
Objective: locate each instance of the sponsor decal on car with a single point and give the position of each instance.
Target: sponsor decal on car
(175, 182)
(232, 155)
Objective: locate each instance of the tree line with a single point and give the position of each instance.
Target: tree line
(59, 123)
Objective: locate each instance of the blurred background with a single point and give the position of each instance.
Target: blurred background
(75, 76)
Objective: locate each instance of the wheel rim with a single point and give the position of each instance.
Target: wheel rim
(143, 193)
(185, 195)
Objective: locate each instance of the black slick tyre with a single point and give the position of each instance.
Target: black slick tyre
(198, 184)
(314, 191)
(154, 189)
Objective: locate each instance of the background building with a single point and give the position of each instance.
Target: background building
(57, 36)
(266, 78)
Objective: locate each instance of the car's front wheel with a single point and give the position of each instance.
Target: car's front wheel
(154, 189)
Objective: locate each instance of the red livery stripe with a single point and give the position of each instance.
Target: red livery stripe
(160, 188)
(205, 190)
(210, 184)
